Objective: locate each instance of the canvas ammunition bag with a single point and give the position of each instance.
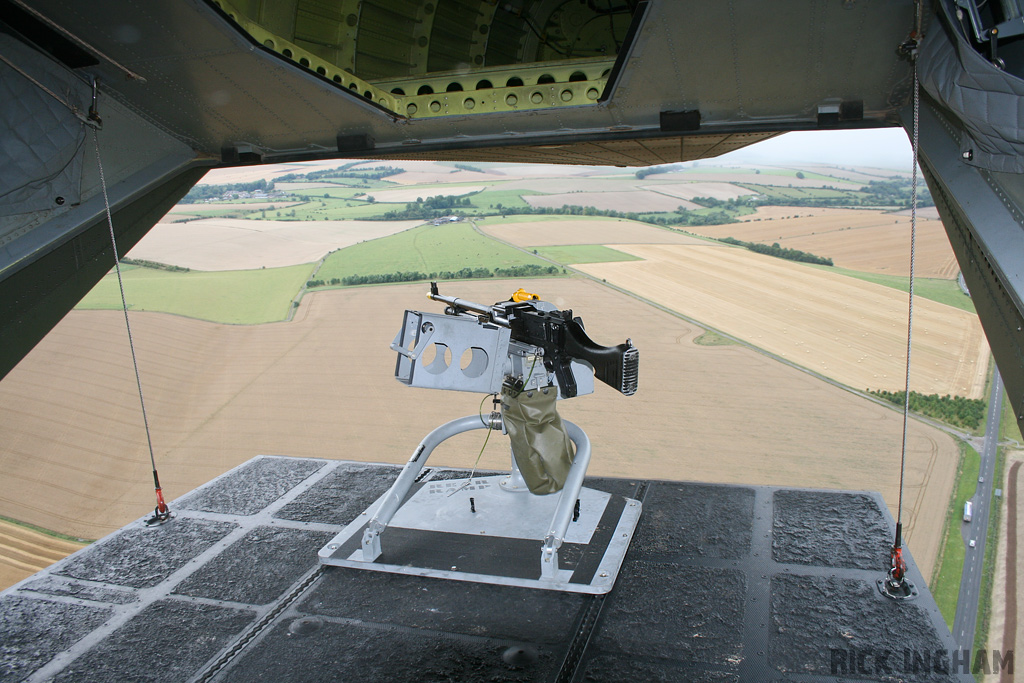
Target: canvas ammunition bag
(540, 444)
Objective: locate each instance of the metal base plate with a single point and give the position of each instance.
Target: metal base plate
(474, 530)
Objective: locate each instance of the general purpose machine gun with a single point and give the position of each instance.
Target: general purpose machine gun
(499, 337)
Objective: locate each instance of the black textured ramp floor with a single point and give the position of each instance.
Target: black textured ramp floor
(721, 584)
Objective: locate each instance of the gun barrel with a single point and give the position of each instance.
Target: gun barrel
(495, 314)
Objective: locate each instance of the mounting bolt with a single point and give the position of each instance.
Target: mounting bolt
(60, 201)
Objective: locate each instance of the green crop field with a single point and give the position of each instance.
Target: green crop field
(796, 193)
(220, 212)
(427, 249)
(943, 291)
(329, 210)
(584, 253)
(245, 297)
(489, 199)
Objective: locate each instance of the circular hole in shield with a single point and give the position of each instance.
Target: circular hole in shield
(436, 358)
(474, 362)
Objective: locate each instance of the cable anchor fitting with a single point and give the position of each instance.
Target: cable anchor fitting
(896, 585)
(161, 513)
(93, 118)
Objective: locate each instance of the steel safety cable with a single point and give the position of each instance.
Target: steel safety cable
(913, 260)
(161, 514)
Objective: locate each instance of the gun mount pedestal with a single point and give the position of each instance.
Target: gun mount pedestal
(476, 530)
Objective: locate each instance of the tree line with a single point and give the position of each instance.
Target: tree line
(142, 263)
(427, 209)
(954, 410)
(779, 252)
(526, 270)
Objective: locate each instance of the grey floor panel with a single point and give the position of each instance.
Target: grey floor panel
(251, 487)
(33, 631)
(280, 557)
(830, 529)
(695, 621)
(846, 615)
(141, 557)
(695, 519)
(342, 495)
(169, 641)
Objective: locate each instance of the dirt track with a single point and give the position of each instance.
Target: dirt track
(74, 454)
(846, 329)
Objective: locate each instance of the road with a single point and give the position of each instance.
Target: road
(970, 582)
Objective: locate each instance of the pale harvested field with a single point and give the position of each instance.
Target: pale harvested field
(23, 552)
(239, 244)
(768, 213)
(411, 194)
(551, 170)
(861, 173)
(766, 177)
(575, 184)
(722, 191)
(846, 329)
(584, 231)
(441, 175)
(860, 239)
(639, 200)
(74, 455)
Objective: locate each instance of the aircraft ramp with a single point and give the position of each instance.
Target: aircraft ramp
(720, 584)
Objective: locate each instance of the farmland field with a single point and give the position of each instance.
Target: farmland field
(640, 200)
(534, 231)
(860, 239)
(74, 455)
(238, 244)
(943, 291)
(429, 248)
(245, 297)
(584, 253)
(849, 330)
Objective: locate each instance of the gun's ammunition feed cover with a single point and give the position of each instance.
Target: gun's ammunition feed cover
(540, 444)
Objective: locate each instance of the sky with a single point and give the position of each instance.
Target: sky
(878, 147)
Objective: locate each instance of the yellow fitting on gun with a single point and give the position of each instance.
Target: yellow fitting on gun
(522, 295)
